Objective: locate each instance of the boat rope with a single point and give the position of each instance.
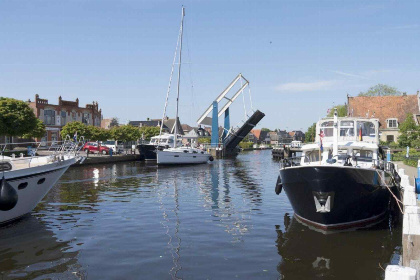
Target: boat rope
(170, 82)
(392, 193)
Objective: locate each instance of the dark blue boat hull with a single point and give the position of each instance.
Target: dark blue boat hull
(337, 197)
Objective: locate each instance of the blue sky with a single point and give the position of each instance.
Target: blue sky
(301, 57)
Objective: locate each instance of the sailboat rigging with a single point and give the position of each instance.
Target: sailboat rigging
(179, 155)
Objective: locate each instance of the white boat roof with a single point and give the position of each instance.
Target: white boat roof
(342, 145)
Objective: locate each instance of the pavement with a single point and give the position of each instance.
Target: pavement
(409, 170)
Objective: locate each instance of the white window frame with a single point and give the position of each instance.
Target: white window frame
(388, 121)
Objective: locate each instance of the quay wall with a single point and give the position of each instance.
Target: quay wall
(411, 233)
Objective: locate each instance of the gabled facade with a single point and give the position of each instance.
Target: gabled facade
(390, 110)
(55, 116)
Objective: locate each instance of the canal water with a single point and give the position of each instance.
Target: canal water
(215, 221)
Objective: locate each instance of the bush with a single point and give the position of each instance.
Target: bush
(246, 145)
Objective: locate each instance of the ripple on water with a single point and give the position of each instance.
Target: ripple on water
(217, 221)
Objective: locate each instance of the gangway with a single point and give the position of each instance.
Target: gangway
(230, 139)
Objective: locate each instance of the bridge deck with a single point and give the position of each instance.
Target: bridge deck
(233, 140)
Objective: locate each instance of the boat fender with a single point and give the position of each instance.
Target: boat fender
(417, 183)
(8, 196)
(279, 185)
(211, 158)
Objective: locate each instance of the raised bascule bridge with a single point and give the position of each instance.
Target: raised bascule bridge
(226, 145)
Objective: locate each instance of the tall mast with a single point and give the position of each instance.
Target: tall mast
(179, 77)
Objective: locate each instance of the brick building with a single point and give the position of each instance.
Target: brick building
(390, 110)
(56, 116)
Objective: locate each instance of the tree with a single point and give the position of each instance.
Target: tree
(114, 122)
(341, 111)
(380, 90)
(98, 133)
(16, 117)
(38, 132)
(310, 134)
(73, 127)
(125, 133)
(265, 129)
(410, 133)
(147, 132)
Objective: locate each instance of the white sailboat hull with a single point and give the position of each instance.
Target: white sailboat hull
(32, 184)
(177, 157)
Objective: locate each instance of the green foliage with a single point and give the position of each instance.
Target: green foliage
(380, 90)
(410, 161)
(114, 122)
(341, 111)
(246, 145)
(265, 129)
(99, 134)
(16, 117)
(410, 133)
(38, 132)
(148, 132)
(125, 133)
(204, 140)
(73, 127)
(310, 134)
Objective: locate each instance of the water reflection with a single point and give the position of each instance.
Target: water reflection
(214, 221)
(35, 252)
(308, 254)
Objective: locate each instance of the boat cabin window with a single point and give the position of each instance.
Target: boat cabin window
(363, 155)
(312, 156)
(327, 128)
(346, 128)
(368, 128)
(170, 141)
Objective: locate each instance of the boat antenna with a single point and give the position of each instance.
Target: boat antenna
(179, 77)
(169, 86)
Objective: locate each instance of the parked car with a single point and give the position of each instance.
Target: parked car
(116, 146)
(93, 147)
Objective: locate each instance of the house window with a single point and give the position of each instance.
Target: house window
(392, 123)
(85, 118)
(390, 138)
(49, 117)
(63, 117)
(73, 116)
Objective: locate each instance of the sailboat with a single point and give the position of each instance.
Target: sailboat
(180, 155)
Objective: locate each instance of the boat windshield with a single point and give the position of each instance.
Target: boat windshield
(312, 156)
(346, 128)
(327, 128)
(363, 155)
(368, 128)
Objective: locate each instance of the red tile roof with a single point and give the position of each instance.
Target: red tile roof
(256, 132)
(383, 107)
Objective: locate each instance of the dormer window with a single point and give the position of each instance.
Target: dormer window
(392, 123)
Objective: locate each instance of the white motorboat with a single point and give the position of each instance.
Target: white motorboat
(180, 155)
(26, 180)
(183, 155)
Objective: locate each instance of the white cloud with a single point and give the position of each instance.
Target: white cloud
(309, 86)
(350, 75)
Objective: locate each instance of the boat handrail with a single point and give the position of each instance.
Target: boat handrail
(68, 146)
